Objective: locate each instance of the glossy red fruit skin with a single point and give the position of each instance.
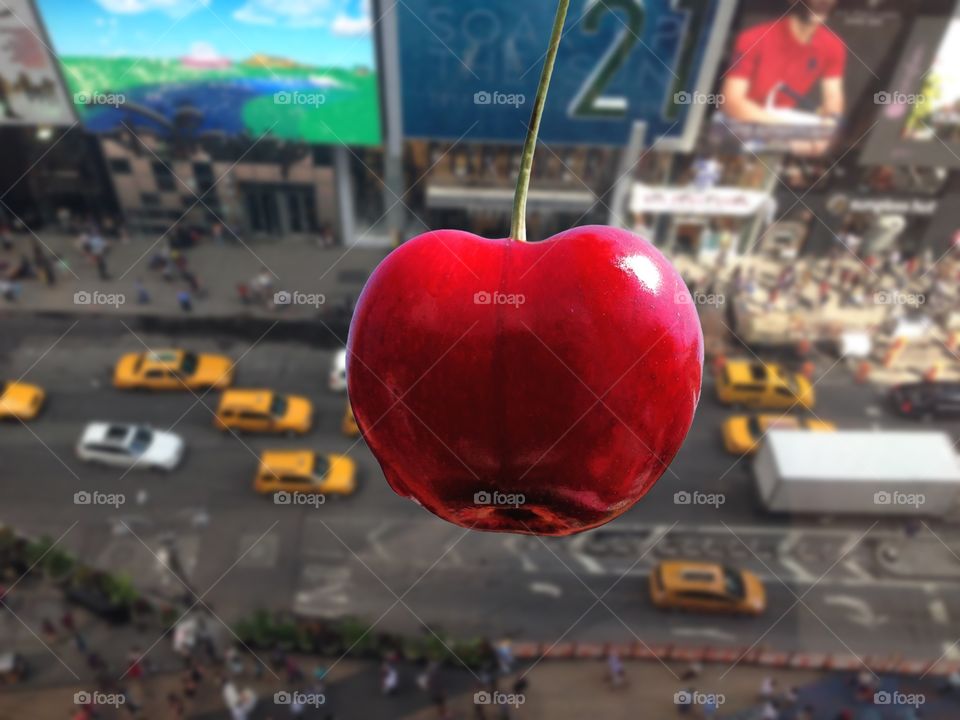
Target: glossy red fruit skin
(577, 395)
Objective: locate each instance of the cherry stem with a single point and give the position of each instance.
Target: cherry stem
(518, 228)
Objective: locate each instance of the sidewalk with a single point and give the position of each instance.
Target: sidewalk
(556, 691)
(305, 272)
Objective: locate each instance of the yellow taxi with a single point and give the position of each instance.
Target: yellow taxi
(306, 472)
(742, 433)
(349, 425)
(761, 385)
(706, 587)
(264, 411)
(173, 370)
(20, 401)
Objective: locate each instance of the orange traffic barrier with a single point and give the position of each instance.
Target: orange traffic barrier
(953, 341)
(808, 370)
(719, 363)
(804, 347)
(933, 373)
(896, 349)
(863, 372)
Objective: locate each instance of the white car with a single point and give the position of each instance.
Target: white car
(338, 372)
(130, 446)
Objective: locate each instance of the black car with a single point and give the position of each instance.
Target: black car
(927, 399)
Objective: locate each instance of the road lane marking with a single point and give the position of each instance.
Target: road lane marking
(939, 613)
(860, 611)
(711, 633)
(545, 588)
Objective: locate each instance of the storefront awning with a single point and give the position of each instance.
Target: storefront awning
(722, 201)
(479, 199)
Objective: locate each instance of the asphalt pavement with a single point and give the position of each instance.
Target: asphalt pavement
(382, 558)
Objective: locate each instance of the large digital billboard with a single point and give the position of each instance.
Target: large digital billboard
(796, 69)
(918, 122)
(298, 70)
(470, 70)
(30, 89)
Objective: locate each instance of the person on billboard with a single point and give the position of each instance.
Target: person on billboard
(789, 71)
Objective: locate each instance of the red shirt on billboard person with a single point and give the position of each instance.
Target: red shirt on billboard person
(780, 67)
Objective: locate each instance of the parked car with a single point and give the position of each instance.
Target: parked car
(706, 587)
(926, 399)
(130, 446)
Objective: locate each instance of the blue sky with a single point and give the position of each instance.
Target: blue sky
(316, 32)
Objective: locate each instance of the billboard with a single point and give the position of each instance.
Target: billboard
(30, 89)
(302, 71)
(796, 69)
(918, 122)
(470, 70)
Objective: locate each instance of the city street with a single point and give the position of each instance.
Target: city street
(380, 558)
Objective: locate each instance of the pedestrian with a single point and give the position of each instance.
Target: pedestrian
(186, 302)
(177, 707)
(192, 282)
(143, 295)
(49, 631)
(615, 666)
(294, 671)
(233, 661)
(389, 677)
(770, 711)
(135, 669)
(504, 651)
(768, 688)
(684, 701)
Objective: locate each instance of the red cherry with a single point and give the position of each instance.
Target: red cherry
(530, 388)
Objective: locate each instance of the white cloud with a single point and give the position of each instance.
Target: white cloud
(306, 13)
(344, 25)
(174, 8)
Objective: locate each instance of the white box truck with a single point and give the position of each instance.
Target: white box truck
(858, 472)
